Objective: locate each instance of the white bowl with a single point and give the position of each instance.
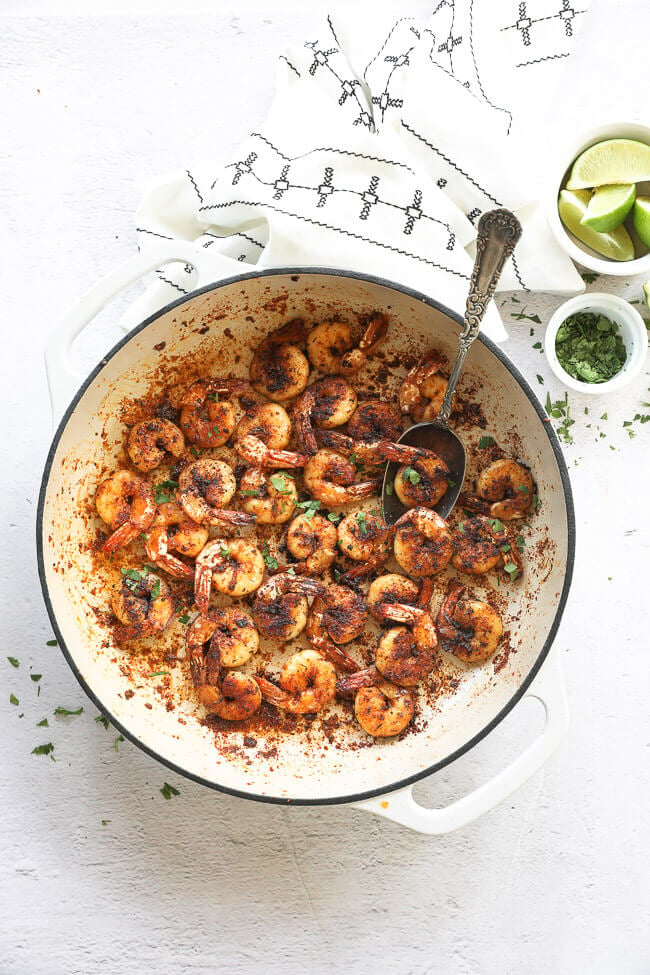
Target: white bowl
(632, 329)
(580, 252)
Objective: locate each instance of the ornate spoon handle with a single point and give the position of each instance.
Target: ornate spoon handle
(498, 233)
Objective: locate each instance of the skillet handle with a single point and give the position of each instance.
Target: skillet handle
(548, 687)
(62, 378)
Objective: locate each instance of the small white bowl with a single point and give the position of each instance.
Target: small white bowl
(580, 253)
(632, 329)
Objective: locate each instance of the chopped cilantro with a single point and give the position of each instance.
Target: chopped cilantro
(590, 348)
(51, 643)
(43, 724)
(270, 562)
(224, 551)
(485, 442)
(334, 516)
(450, 482)
(35, 677)
(43, 749)
(116, 743)
(390, 488)
(184, 618)
(537, 345)
(164, 491)
(13, 699)
(250, 493)
(105, 822)
(410, 474)
(540, 379)
(512, 570)
(159, 673)
(362, 521)
(168, 791)
(13, 661)
(337, 574)
(281, 483)
(102, 719)
(309, 508)
(67, 713)
(496, 525)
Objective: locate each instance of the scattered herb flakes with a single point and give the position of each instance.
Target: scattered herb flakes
(35, 677)
(168, 791)
(250, 493)
(390, 488)
(410, 474)
(496, 525)
(13, 661)
(362, 521)
(451, 483)
(105, 822)
(282, 483)
(43, 724)
(609, 578)
(589, 277)
(337, 574)
(185, 618)
(512, 570)
(224, 551)
(291, 571)
(13, 699)
(309, 508)
(116, 743)
(165, 491)
(485, 442)
(159, 673)
(540, 379)
(270, 561)
(196, 451)
(589, 347)
(537, 345)
(51, 643)
(334, 517)
(102, 719)
(521, 316)
(67, 713)
(461, 526)
(560, 410)
(46, 749)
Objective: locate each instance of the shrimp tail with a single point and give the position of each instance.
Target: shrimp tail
(122, 536)
(364, 489)
(202, 587)
(351, 683)
(333, 653)
(271, 692)
(228, 517)
(174, 566)
(470, 502)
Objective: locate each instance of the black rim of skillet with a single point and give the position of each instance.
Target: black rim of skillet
(541, 657)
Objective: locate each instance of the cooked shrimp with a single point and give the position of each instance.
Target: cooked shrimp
(173, 531)
(150, 440)
(394, 588)
(404, 656)
(307, 684)
(207, 420)
(255, 451)
(234, 565)
(366, 538)
(279, 369)
(327, 403)
(233, 696)
(235, 636)
(205, 488)
(329, 477)
(376, 421)
(482, 544)
(422, 483)
(312, 540)
(331, 350)
(375, 452)
(142, 603)
(126, 503)
(468, 627)
(338, 615)
(383, 710)
(269, 422)
(269, 498)
(280, 607)
(423, 542)
(504, 490)
(423, 389)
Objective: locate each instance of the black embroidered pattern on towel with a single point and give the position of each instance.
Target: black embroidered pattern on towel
(172, 284)
(339, 230)
(143, 230)
(292, 66)
(478, 76)
(340, 152)
(386, 100)
(235, 233)
(282, 185)
(383, 46)
(193, 182)
(527, 27)
(349, 86)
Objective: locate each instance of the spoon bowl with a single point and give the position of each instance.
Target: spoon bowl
(497, 234)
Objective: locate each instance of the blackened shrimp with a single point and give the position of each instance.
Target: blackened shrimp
(423, 542)
(234, 566)
(327, 403)
(232, 696)
(307, 684)
(269, 498)
(312, 540)
(255, 451)
(422, 482)
(279, 369)
(372, 452)
(482, 544)
(406, 654)
(366, 538)
(150, 440)
(207, 419)
(423, 389)
(382, 709)
(374, 421)
(329, 477)
(504, 490)
(331, 349)
(337, 616)
(269, 422)
(125, 502)
(173, 531)
(142, 603)
(205, 487)
(395, 588)
(280, 607)
(468, 627)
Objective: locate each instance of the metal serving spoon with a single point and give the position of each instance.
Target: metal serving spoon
(498, 233)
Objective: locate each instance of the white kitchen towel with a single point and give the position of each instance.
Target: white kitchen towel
(384, 144)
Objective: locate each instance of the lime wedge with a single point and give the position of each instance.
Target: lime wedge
(613, 161)
(572, 206)
(608, 207)
(641, 219)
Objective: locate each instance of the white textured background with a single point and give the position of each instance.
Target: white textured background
(555, 881)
